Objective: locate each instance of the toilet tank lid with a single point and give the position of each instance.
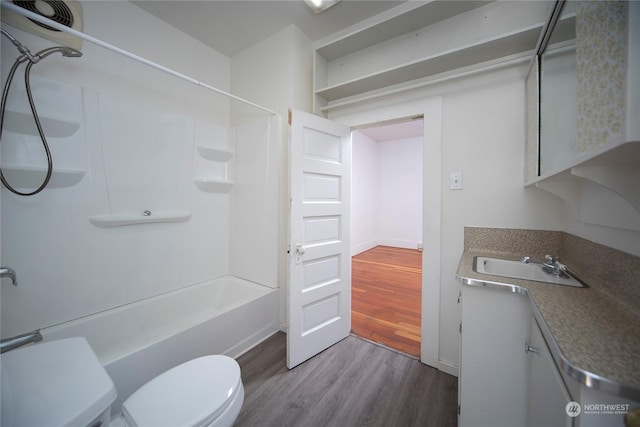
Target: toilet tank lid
(54, 383)
(192, 394)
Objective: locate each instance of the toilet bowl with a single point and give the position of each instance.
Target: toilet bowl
(62, 383)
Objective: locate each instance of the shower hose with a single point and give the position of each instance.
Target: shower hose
(31, 59)
(43, 138)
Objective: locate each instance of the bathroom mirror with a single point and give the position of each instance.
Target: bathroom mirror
(552, 145)
(558, 104)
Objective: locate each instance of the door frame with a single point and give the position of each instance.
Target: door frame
(431, 110)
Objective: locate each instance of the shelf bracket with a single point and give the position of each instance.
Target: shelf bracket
(622, 180)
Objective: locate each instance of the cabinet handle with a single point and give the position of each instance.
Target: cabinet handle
(529, 349)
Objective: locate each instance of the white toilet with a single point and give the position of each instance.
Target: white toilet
(62, 383)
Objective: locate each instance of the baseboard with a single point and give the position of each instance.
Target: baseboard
(362, 247)
(448, 368)
(404, 244)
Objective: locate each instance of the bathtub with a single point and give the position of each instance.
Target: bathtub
(138, 341)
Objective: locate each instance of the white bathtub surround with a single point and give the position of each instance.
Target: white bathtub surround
(163, 168)
(138, 341)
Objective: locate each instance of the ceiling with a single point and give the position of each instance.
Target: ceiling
(394, 131)
(232, 26)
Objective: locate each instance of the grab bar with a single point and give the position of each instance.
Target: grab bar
(20, 340)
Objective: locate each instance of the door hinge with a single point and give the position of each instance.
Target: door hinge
(458, 409)
(461, 327)
(289, 117)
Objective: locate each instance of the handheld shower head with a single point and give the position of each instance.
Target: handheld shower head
(70, 52)
(64, 50)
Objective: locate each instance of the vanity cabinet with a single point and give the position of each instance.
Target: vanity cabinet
(507, 374)
(547, 394)
(493, 364)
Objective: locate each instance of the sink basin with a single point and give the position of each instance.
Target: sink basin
(55, 383)
(520, 270)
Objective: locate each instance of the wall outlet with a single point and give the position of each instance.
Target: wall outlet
(455, 181)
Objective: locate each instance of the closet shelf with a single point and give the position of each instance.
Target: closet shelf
(23, 176)
(214, 154)
(473, 54)
(213, 186)
(107, 221)
(23, 123)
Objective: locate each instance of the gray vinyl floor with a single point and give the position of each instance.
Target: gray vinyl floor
(353, 383)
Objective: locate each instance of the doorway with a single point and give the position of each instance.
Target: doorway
(386, 233)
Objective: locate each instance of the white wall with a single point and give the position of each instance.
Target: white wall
(364, 193)
(400, 202)
(386, 204)
(277, 73)
(68, 267)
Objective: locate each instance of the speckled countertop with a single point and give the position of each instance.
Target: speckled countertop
(595, 337)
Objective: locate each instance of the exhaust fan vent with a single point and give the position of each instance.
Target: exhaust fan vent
(65, 12)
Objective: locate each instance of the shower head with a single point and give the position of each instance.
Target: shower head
(70, 52)
(64, 50)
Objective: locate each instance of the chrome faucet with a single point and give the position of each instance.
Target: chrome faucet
(551, 265)
(9, 272)
(20, 340)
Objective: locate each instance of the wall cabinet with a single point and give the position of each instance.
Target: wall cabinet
(593, 153)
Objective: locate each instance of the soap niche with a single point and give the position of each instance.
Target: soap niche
(214, 158)
(24, 161)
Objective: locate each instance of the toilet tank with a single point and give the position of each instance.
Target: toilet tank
(56, 383)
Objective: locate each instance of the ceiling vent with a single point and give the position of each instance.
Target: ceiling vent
(65, 12)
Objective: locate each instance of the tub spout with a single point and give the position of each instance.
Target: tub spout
(20, 340)
(9, 272)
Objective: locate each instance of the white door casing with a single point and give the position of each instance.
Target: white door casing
(319, 295)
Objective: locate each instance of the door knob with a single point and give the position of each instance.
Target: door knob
(300, 249)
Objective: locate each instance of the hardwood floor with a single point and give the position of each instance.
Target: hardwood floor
(386, 289)
(353, 383)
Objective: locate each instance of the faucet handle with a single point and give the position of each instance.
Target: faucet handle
(551, 259)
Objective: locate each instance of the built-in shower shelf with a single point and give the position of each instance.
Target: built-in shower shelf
(213, 186)
(106, 221)
(22, 176)
(215, 154)
(24, 124)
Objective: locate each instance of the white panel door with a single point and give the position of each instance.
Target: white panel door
(320, 263)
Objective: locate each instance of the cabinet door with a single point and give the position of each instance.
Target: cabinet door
(548, 395)
(493, 366)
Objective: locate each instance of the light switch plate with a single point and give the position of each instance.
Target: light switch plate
(455, 181)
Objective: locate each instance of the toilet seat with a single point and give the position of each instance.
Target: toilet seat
(193, 394)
